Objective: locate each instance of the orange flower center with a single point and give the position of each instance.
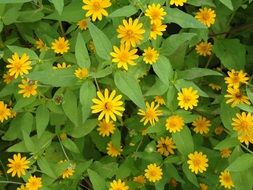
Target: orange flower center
(96, 6)
(206, 16)
(130, 33)
(150, 114)
(108, 106)
(196, 162)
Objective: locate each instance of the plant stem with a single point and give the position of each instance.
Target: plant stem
(63, 150)
(12, 182)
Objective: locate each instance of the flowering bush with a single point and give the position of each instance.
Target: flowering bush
(124, 95)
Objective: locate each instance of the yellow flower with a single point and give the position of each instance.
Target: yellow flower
(40, 45)
(81, 73)
(153, 173)
(235, 78)
(235, 97)
(225, 153)
(83, 24)
(165, 146)
(61, 66)
(28, 88)
(131, 32)
(155, 12)
(68, 172)
(156, 30)
(215, 86)
(61, 45)
(150, 55)
(187, 98)
(203, 186)
(8, 78)
(109, 105)
(197, 162)
(106, 128)
(18, 165)
(159, 100)
(150, 114)
(19, 66)
(22, 187)
(13, 114)
(206, 16)
(34, 183)
(174, 123)
(112, 150)
(140, 179)
(218, 130)
(5, 112)
(243, 124)
(201, 125)
(226, 180)
(177, 2)
(91, 47)
(204, 48)
(246, 137)
(123, 56)
(96, 8)
(118, 185)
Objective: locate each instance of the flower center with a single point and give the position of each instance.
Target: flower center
(226, 178)
(61, 45)
(96, 6)
(123, 57)
(150, 114)
(196, 162)
(130, 34)
(206, 16)
(155, 14)
(187, 99)
(18, 166)
(150, 56)
(244, 125)
(108, 106)
(152, 173)
(18, 66)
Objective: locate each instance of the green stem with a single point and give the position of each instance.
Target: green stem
(63, 150)
(12, 182)
(4, 170)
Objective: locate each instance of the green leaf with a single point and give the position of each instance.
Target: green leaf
(129, 86)
(184, 141)
(227, 143)
(102, 43)
(55, 77)
(249, 92)
(84, 129)
(116, 139)
(97, 181)
(46, 168)
(190, 176)
(73, 12)
(125, 11)
(181, 83)
(23, 102)
(241, 163)
(181, 18)
(87, 92)
(197, 73)
(28, 141)
(70, 145)
(226, 114)
(81, 52)
(14, 1)
(58, 4)
(20, 51)
(175, 41)
(228, 4)
(231, 53)
(163, 69)
(42, 119)
(70, 106)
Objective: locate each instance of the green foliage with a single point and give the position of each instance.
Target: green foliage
(56, 125)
